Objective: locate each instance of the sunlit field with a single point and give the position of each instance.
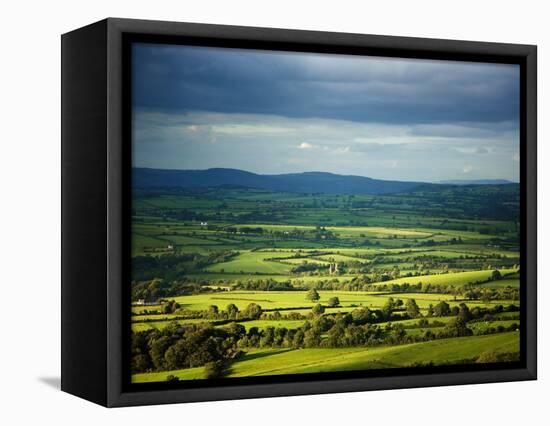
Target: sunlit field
(245, 282)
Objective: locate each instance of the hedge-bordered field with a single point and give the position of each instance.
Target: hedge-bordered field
(240, 246)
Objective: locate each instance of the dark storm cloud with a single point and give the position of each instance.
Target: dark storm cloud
(382, 90)
(384, 118)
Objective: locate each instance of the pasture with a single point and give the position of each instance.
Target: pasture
(207, 249)
(286, 300)
(298, 361)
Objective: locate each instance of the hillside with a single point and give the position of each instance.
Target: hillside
(477, 182)
(308, 182)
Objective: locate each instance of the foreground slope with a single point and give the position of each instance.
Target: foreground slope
(265, 362)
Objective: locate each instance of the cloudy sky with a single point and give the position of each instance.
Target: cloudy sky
(281, 112)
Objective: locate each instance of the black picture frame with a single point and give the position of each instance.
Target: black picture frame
(96, 201)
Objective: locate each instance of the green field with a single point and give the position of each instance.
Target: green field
(268, 283)
(294, 361)
(326, 360)
(253, 262)
(284, 300)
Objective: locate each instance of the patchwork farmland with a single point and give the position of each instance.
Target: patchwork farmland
(234, 281)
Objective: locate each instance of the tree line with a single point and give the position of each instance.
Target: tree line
(192, 345)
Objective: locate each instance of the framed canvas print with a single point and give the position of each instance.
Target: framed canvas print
(252, 212)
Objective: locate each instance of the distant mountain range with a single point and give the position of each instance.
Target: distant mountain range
(307, 182)
(477, 182)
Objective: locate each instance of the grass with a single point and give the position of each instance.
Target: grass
(349, 300)
(265, 362)
(185, 374)
(267, 300)
(348, 359)
(446, 254)
(188, 240)
(484, 325)
(225, 277)
(368, 236)
(277, 299)
(253, 262)
(262, 324)
(141, 242)
(340, 258)
(301, 260)
(456, 279)
(160, 324)
(514, 283)
(280, 299)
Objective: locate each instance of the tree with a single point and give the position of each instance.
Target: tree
(140, 363)
(486, 295)
(268, 337)
(279, 336)
(232, 311)
(313, 295)
(355, 336)
(389, 307)
(252, 311)
(471, 295)
(431, 310)
(428, 335)
(323, 323)
(318, 309)
(344, 319)
(335, 337)
(170, 307)
(457, 328)
(442, 309)
(412, 308)
(361, 316)
(464, 313)
(312, 338)
(298, 340)
(236, 329)
(333, 302)
(213, 310)
(423, 323)
(175, 356)
(213, 370)
(158, 349)
(399, 332)
(496, 275)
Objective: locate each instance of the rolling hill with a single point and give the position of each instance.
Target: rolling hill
(307, 182)
(477, 182)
